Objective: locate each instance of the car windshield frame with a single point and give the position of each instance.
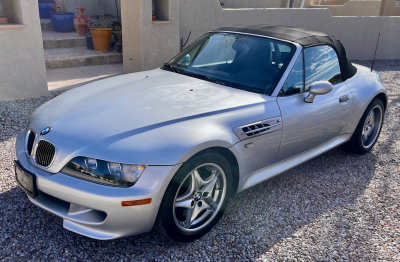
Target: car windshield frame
(224, 78)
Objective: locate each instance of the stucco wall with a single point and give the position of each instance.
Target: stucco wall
(353, 8)
(148, 44)
(358, 34)
(253, 3)
(92, 7)
(388, 8)
(22, 66)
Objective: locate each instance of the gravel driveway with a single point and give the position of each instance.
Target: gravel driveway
(338, 206)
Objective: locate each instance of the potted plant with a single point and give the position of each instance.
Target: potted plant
(45, 7)
(61, 19)
(117, 35)
(89, 41)
(102, 34)
(3, 20)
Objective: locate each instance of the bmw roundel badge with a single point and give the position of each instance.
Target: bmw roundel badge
(46, 131)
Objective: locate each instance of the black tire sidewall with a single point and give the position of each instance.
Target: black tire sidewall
(356, 142)
(165, 219)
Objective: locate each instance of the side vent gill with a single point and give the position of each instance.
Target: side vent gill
(252, 130)
(258, 128)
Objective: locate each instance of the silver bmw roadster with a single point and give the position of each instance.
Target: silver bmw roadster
(167, 148)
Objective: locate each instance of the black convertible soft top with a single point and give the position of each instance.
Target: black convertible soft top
(304, 37)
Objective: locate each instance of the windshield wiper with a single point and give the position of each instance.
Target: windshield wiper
(174, 69)
(206, 78)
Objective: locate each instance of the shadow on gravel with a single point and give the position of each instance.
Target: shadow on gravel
(258, 217)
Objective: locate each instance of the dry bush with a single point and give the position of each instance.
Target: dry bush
(60, 5)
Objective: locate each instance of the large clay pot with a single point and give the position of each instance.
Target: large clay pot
(62, 21)
(3, 20)
(81, 22)
(101, 38)
(45, 7)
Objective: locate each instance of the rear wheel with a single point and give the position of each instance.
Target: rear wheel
(368, 129)
(196, 197)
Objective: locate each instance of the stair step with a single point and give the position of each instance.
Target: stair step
(52, 39)
(46, 25)
(78, 56)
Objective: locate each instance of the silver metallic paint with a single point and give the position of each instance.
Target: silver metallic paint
(317, 89)
(120, 221)
(282, 166)
(153, 118)
(307, 125)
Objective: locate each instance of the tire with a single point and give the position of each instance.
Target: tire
(358, 143)
(182, 202)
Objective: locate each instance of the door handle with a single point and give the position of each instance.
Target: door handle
(343, 98)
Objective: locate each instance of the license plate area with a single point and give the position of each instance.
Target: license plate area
(26, 180)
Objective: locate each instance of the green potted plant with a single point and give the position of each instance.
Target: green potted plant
(3, 20)
(117, 35)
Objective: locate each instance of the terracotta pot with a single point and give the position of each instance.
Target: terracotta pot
(101, 38)
(81, 22)
(154, 17)
(3, 20)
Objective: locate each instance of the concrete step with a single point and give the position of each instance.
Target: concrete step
(52, 39)
(46, 25)
(78, 56)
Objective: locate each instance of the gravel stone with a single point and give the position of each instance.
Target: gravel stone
(336, 207)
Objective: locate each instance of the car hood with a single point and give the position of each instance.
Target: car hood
(137, 100)
(133, 104)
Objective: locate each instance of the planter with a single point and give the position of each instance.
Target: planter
(45, 8)
(101, 38)
(62, 22)
(81, 22)
(89, 43)
(3, 20)
(154, 18)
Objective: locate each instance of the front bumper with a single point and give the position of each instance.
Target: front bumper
(95, 210)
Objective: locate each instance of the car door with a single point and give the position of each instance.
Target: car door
(307, 125)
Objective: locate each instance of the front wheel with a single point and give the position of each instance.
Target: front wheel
(368, 129)
(196, 198)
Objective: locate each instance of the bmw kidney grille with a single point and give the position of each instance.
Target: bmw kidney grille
(30, 139)
(44, 153)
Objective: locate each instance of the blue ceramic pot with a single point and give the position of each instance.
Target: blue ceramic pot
(45, 8)
(62, 21)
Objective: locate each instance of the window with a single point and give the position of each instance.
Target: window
(396, 2)
(321, 64)
(295, 82)
(251, 63)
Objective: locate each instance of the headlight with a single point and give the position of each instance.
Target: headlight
(104, 172)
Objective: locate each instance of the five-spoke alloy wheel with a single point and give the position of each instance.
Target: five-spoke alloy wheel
(196, 197)
(199, 197)
(368, 129)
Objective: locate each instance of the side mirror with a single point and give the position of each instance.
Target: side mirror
(318, 88)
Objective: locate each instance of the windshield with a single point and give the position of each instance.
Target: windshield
(246, 62)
